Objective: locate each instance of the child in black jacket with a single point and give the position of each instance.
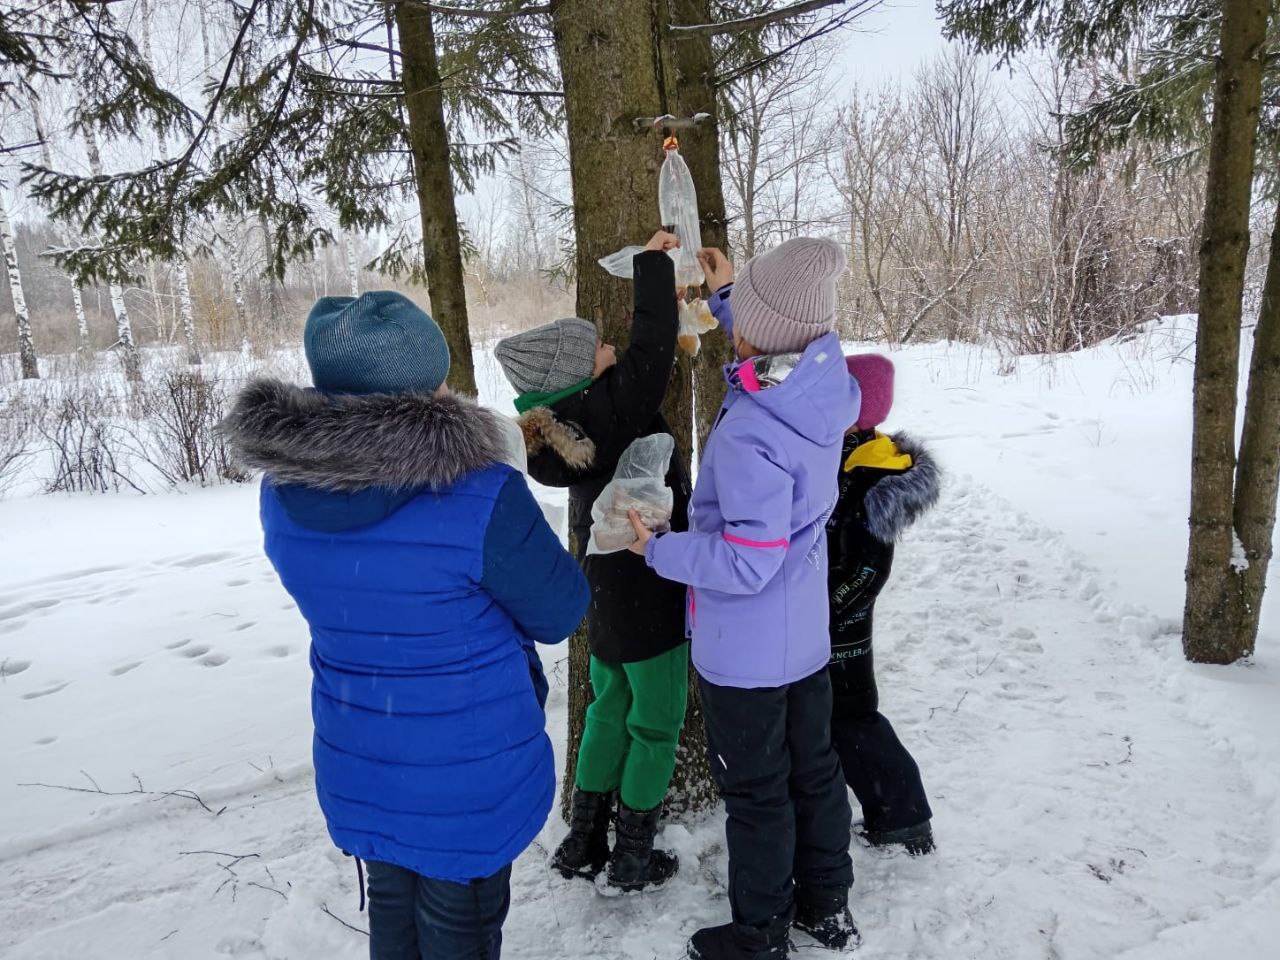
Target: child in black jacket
(580, 409)
(885, 484)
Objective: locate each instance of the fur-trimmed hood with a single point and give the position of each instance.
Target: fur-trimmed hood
(544, 431)
(897, 500)
(349, 443)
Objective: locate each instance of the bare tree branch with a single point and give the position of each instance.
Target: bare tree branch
(684, 31)
(481, 14)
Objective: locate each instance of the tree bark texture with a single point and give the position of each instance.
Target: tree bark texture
(1258, 472)
(606, 62)
(617, 66)
(429, 144)
(692, 407)
(26, 345)
(1209, 635)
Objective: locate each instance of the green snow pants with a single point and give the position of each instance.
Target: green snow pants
(633, 726)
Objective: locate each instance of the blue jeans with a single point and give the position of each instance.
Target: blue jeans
(412, 917)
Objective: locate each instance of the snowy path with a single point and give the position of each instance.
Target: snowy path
(1078, 790)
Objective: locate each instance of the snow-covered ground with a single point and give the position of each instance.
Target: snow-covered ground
(1095, 797)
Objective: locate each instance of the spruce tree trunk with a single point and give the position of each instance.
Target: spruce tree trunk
(1258, 473)
(1209, 634)
(701, 382)
(429, 143)
(617, 65)
(608, 71)
(26, 345)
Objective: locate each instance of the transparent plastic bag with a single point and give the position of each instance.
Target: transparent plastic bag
(639, 484)
(678, 210)
(619, 262)
(696, 319)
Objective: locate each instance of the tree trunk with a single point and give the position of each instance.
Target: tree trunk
(275, 304)
(77, 298)
(182, 279)
(353, 269)
(181, 275)
(429, 143)
(237, 294)
(1209, 634)
(124, 328)
(83, 347)
(1258, 472)
(26, 346)
(606, 54)
(616, 67)
(693, 405)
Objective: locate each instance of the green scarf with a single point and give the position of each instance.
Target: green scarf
(527, 401)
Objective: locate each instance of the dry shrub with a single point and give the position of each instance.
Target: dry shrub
(180, 414)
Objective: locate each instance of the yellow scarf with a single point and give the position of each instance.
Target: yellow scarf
(880, 454)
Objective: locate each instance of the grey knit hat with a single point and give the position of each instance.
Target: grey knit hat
(549, 358)
(785, 299)
(379, 342)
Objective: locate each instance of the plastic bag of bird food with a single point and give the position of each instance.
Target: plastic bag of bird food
(639, 484)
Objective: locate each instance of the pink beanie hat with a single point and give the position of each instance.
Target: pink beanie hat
(785, 299)
(874, 373)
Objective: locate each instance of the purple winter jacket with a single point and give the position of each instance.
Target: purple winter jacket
(755, 556)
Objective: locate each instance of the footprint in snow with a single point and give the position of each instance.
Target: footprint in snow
(202, 560)
(178, 645)
(199, 650)
(31, 606)
(11, 668)
(247, 625)
(124, 668)
(213, 660)
(46, 692)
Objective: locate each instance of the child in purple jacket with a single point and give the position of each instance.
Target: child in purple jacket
(755, 560)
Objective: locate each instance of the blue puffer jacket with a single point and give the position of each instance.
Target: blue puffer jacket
(426, 571)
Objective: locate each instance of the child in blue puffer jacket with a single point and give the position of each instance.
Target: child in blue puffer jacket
(425, 571)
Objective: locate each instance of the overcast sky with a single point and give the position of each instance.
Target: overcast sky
(891, 41)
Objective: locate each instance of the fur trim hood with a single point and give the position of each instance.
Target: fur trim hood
(543, 431)
(897, 500)
(352, 442)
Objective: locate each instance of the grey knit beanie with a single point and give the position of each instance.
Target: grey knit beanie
(785, 299)
(379, 342)
(549, 358)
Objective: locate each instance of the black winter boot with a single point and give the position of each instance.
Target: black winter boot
(733, 941)
(635, 864)
(585, 851)
(917, 840)
(824, 915)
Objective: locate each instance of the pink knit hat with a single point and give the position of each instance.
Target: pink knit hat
(874, 373)
(785, 299)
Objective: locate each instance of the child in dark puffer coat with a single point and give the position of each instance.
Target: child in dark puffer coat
(581, 407)
(885, 484)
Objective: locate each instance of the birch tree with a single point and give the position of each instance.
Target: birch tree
(26, 345)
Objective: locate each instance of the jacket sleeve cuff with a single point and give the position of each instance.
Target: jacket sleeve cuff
(650, 546)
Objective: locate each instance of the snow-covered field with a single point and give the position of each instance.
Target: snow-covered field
(1095, 797)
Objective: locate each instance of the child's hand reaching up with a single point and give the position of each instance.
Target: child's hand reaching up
(663, 241)
(716, 266)
(643, 533)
